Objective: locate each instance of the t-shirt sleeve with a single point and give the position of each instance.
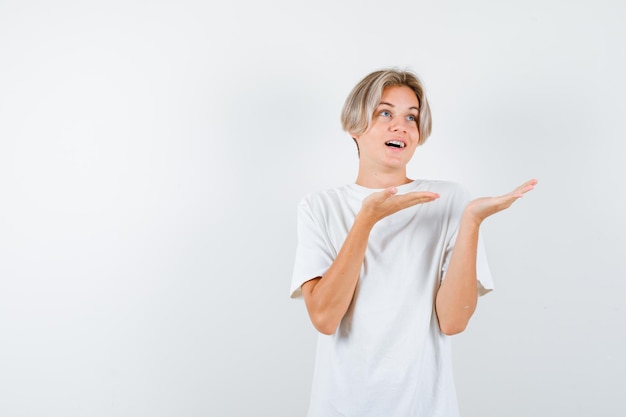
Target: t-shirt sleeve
(483, 273)
(313, 252)
(485, 280)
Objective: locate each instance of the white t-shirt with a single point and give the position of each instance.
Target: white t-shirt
(388, 356)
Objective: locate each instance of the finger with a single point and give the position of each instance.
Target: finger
(422, 194)
(419, 197)
(414, 198)
(524, 188)
(381, 196)
(425, 198)
(391, 191)
(528, 185)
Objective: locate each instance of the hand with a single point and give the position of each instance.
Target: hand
(481, 208)
(384, 203)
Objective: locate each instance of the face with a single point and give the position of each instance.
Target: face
(391, 139)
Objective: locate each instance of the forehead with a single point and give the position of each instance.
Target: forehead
(399, 95)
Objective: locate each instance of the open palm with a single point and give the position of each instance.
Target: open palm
(483, 207)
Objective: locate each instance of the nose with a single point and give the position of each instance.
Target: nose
(398, 126)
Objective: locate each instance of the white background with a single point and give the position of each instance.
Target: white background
(152, 154)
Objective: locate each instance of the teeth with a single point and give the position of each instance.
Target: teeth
(395, 143)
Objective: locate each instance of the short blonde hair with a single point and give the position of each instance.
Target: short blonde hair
(359, 107)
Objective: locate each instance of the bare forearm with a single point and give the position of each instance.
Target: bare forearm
(327, 299)
(457, 297)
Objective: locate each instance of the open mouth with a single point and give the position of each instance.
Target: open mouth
(395, 144)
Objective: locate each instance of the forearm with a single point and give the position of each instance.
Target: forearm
(328, 298)
(458, 294)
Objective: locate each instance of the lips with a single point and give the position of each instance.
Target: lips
(395, 143)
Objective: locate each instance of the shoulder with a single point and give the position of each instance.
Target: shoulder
(325, 196)
(326, 200)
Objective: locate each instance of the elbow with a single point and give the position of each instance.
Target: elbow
(324, 325)
(452, 324)
(326, 330)
(452, 328)
(453, 320)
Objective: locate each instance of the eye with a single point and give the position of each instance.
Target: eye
(412, 118)
(385, 113)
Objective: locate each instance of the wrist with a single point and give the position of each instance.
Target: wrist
(470, 219)
(364, 220)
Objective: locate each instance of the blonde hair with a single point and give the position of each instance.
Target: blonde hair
(360, 104)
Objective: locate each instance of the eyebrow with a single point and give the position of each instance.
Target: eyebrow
(391, 105)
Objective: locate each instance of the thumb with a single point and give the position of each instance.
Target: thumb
(390, 191)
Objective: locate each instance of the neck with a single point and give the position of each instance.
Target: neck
(381, 180)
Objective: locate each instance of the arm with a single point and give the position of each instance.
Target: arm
(457, 297)
(327, 298)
